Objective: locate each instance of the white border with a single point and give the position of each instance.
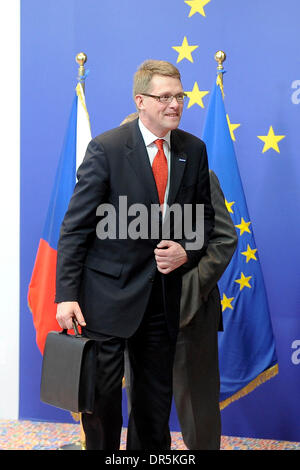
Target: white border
(9, 209)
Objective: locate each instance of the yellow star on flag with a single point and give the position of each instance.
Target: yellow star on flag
(226, 302)
(195, 96)
(271, 140)
(243, 226)
(249, 253)
(197, 6)
(243, 281)
(232, 127)
(185, 50)
(229, 206)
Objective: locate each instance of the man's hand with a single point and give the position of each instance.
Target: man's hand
(66, 312)
(169, 255)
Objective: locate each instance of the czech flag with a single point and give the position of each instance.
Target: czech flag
(41, 291)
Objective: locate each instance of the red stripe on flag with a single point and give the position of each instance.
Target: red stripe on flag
(41, 293)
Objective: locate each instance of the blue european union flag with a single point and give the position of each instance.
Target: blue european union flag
(247, 352)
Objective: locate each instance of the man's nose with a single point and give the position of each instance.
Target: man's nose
(174, 103)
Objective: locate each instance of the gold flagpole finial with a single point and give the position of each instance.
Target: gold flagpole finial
(81, 59)
(220, 57)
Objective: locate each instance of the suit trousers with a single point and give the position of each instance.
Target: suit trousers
(196, 379)
(151, 352)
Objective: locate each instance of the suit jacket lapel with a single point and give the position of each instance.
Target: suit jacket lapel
(138, 158)
(178, 162)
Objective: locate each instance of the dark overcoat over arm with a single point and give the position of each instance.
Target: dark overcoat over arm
(199, 282)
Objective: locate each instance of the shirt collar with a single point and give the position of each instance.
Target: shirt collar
(149, 137)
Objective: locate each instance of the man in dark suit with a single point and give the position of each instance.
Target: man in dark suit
(196, 381)
(116, 274)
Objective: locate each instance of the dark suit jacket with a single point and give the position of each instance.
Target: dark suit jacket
(112, 278)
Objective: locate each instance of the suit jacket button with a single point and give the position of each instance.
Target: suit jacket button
(151, 279)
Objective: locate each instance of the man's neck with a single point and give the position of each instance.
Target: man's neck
(149, 137)
(156, 132)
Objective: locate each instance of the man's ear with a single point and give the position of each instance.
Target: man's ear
(139, 101)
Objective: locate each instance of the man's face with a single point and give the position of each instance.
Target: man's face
(159, 117)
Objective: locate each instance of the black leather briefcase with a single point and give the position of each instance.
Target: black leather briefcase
(68, 371)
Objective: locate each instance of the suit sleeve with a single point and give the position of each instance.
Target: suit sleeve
(79, 223)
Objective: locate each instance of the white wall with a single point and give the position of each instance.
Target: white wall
(9, 207)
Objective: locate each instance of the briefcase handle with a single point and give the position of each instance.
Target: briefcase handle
(77, 334)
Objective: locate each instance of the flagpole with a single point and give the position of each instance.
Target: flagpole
(220, 57)
(81, 59)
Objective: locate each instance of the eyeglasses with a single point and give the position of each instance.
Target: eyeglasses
(167, 98)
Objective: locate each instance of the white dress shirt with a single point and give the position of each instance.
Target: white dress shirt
(152, 150)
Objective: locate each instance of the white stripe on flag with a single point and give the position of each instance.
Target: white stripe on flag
(83, 126)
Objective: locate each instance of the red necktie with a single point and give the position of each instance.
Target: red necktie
(160, 170)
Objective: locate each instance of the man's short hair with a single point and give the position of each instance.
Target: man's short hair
(147, 70)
